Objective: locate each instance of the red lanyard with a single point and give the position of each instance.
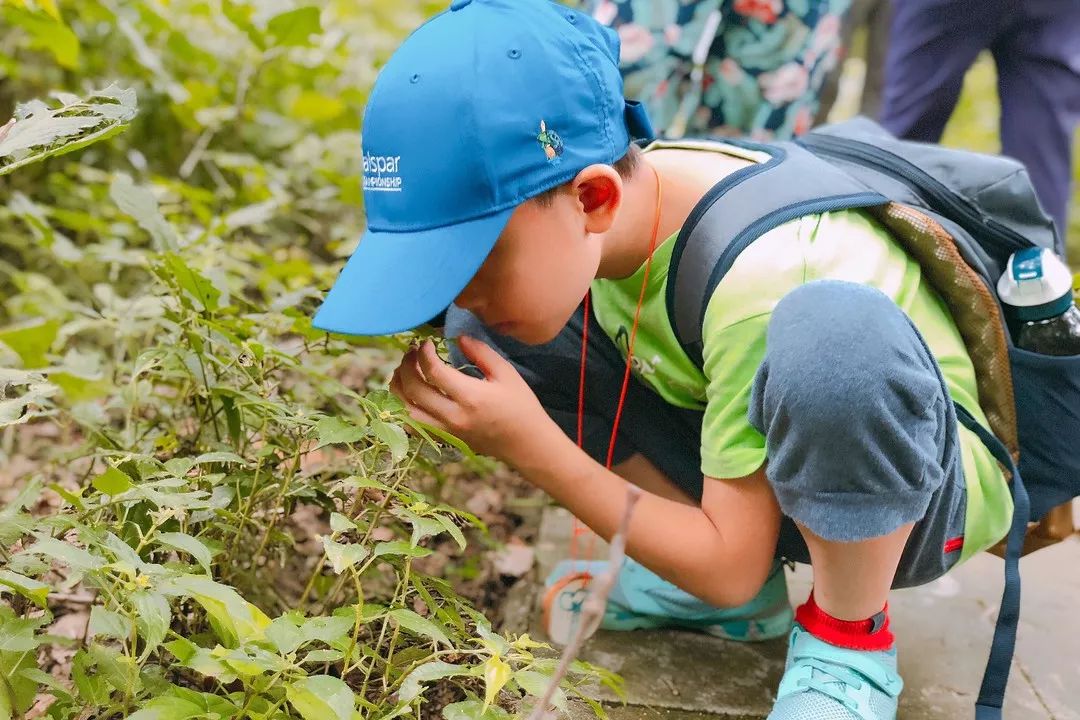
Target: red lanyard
(579, 529)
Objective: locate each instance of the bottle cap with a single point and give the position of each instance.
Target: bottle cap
(1037, 284)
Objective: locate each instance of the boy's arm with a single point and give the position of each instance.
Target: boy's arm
(640, 471)
(720, 552)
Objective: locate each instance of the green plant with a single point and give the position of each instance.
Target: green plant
(235, 516)
(195, 419)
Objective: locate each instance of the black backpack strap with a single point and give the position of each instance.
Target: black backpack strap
(996, 677)
(739, 209)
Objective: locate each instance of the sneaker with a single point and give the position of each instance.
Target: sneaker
(826, 682)
(643, 600)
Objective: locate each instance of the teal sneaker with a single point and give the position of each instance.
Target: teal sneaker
(825, 682)
(643, 600)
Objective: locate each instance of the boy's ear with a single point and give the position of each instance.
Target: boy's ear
(599, 191)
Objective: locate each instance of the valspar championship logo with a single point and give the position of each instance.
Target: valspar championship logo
(381, 173)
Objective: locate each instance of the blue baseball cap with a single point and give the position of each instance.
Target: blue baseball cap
(486, 105)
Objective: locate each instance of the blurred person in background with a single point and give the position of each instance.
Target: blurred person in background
(1036, 47)
(726, 67)
(872, 16)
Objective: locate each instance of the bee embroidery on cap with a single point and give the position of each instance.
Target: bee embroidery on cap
(551, 142)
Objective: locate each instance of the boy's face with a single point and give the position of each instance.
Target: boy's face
(537, 273)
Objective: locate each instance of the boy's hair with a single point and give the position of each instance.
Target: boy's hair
(626, 166)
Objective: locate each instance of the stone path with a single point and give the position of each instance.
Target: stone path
(943, 631)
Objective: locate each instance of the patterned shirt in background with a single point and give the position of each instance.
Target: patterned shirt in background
(762, 74)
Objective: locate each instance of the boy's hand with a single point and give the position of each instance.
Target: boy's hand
(498, 415)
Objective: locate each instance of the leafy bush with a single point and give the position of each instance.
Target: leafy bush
(177, 428)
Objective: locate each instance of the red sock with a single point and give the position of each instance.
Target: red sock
(870, 634)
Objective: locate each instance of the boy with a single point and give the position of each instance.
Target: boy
(500, 176)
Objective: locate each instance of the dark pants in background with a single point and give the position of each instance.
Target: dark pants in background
(1036, 46)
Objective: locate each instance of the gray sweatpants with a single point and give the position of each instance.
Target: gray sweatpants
(861, 434)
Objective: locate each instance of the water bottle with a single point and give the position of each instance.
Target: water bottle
(1036, 288)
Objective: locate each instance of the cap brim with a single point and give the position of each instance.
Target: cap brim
(396, 281)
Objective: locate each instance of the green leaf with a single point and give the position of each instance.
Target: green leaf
(180, 466)
(327, 629)
(191, 545)
(118, 669)
(112, 482)
(496, 673)
(17, 634)
(26, 497)
(419, 625)
(141, 205)
(7, 704)
(22, 688)
(536, 684)
(79, 389)
(452, 528)
(284, 635)
(124, 554)
(24, 407)
(451, 440)
(400, 547)
(251, 661)
(316, 106)
(210, 705)
(49, 33)
(393, 436)
(596, 707)
(75, 498)
(422, 527)
(322, 656)
(152, 618)
(363, 483)
(320, 697)
(220, 457)
(233, 618)
(474, 710)
(92, 686)
(295, 27)
(199, 659)
(40, 133)
(30, 341)
(343, 556)
(339, 523)
(34, 591)
(109, 623)
(168, 708)
(492, 640)
(232, 419)
(194, 283)
(239, 14)
(411, 686)
(36, 676)
(332, 431)
(77, 558)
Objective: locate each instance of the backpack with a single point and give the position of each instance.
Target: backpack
(960, 215)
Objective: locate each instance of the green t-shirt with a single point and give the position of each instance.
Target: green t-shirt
(848, 245)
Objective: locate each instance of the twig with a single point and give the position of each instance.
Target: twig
(592, 611)
(196, 154)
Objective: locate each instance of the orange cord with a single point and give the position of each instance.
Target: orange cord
(579, 529)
